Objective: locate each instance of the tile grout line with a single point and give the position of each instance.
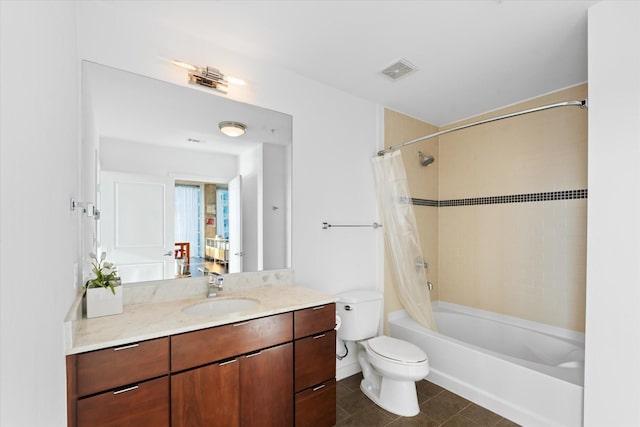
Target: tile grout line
(458, 413)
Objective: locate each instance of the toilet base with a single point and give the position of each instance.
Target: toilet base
(397, 397)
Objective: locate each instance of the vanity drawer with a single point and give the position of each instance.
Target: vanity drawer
(117, 366)
(316, 406)
(314, 320)
(143, 404)
(210, 345)
(314, 358)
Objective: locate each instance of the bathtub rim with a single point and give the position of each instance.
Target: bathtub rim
(554, 331)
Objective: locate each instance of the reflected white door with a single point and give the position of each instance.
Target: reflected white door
(136, 225)
(235, 225)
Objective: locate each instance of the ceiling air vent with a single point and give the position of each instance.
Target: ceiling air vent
(399, 69)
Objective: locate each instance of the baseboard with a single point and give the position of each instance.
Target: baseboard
(347, 370)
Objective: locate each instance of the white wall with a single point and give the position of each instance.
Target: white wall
(38, 232)
(612, 371)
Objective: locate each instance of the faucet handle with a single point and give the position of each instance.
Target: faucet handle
(215, 284)
(216, 279)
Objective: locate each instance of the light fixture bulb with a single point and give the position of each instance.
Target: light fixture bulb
(184, 65)
(233, 129)
(236, 81)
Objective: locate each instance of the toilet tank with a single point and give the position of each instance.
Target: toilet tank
(359, 312)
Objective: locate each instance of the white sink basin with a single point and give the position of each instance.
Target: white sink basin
(219, 306)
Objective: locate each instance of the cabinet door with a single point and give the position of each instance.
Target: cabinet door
(316, 407)
(266, 381)
(206, 396)
(143, 404)
(315, 360)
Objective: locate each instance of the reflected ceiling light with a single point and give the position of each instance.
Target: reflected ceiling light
(232, 128)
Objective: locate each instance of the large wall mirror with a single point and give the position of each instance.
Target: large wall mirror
(176, 197)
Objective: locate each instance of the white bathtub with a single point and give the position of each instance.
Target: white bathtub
(528, 372)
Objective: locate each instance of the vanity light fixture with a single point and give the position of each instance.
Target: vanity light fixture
(208, 76)
(232, 128)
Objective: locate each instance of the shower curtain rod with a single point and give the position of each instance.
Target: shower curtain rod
(582, 104)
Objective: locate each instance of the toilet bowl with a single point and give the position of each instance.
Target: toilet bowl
(390, 367)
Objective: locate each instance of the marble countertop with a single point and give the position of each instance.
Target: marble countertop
(140, 322)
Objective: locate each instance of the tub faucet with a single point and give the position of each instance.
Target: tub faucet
(215, 284)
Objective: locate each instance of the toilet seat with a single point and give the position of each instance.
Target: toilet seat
(397, 350)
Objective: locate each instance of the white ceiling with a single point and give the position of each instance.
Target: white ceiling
(472, 56)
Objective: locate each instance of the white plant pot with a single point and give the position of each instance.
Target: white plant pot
(102, 302)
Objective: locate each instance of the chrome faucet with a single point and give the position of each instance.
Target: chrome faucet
(215, 284)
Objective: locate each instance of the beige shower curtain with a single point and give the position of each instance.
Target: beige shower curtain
(401, 237)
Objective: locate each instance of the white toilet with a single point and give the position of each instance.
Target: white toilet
(390, 366)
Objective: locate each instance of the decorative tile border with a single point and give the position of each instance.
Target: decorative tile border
(425, 202)
(516, 198)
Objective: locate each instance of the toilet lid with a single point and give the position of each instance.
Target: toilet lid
(395, 349)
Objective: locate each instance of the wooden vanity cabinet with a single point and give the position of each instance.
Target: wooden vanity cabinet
(251, 386)
(271, 371)
(315, 366)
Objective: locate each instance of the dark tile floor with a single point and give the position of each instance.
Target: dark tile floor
(438, 408)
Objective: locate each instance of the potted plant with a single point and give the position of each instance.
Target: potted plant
(103, 292)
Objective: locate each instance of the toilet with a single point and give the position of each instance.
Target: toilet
(390, 366)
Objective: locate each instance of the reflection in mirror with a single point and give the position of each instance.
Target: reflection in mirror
(177, 198)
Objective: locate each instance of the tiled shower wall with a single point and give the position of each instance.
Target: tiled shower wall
(511, 213)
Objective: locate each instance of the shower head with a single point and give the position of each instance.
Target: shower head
(425, 160)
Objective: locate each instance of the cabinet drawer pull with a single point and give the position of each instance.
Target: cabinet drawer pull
(320, 307)
(318, 387)
(124, 347)
(124, 390)
(227, 362)
(318, 336)
(254, 354)
(241, 324)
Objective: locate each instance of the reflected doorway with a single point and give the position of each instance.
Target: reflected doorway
(201, 227)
